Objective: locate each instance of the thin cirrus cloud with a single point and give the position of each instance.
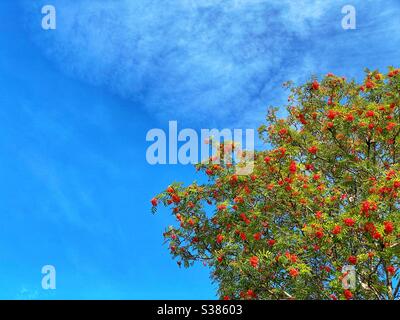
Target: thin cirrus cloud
(181, 58)
(212, 60)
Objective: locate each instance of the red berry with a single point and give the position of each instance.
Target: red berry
(293, 167)
(369, 84)
(170, 190)
(313, 150)
(352, 259)
(319, 234)
(347, 294)
(391, 270)
(221, 207)
(390, 126)
(154, 202)
(332, 114)
(254, 261)
(388, 227)
(337, 230)
(349, 222)
(370, 113)
(293, 272)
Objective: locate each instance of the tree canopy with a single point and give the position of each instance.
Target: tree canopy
(324, 194)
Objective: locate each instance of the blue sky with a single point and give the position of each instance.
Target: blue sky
(76, 104)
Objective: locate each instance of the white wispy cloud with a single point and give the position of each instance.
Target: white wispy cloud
(178, 59)
(200, 60)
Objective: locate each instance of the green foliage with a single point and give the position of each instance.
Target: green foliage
(323, 196)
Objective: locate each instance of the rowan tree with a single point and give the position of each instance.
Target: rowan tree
(324, 193)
